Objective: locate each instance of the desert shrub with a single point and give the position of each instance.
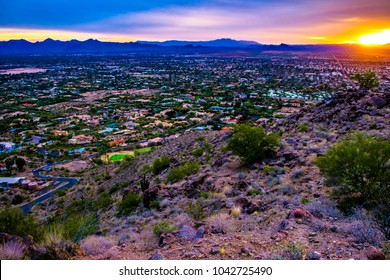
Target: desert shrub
(155, 204)
(178, 173)
(102, 202)
(359, 169)
(197, 152)
(195, 211)
(235, 211)
(302, 127)
(128, 204)
(117, 187)
(189, 168)
(366, 80)
(305, 200)
(253, 192)
(76, 227)
(13, 221)
(289, 251)
(220, 223)
(163, 227)
(11, 250)
(160, 164)
(61, 193)
(17, 199)
(267, 169)
(364, 228)
(94, 245)
(204, 195)
(252, 144)
(323, 209)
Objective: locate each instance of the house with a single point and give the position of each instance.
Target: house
(76, 152)
(81, 139)
(7, 147)
(106, 130)
(36, 139)
(59, 132)
(116, 142)
(7, 182)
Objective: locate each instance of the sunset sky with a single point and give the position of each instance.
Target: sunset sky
(264, 21)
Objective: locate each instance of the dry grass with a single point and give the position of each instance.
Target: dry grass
(11, 251)
(94, 245)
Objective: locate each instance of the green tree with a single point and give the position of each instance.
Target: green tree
(366, 80)
(252, 144)
(13, 221)
(359, 168)
(20, 163)
(9, 163)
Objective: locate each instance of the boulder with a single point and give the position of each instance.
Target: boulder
(373, 253)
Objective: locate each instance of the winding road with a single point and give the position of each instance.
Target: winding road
(45, 194)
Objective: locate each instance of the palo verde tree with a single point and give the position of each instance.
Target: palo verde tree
(252, 144)
(366, 80)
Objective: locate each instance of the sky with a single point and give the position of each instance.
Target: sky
(264, 21)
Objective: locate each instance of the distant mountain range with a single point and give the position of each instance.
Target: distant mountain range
(224, 42)
(219, 46)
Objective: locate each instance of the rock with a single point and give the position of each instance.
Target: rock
(165, 238)
(192, 188)
(377, 101)
(373, 253)
(253, 207)
(214, 251)
(199, 233)
(298, 213)
(313, 256)
(243, 202)
(241, 185)
(283, 225)
(157, 256)
(247, 249)
(187, 232)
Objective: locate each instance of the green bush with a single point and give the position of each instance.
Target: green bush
(117, 187)
(128, 204)
(102, 202)
(302, 127)
(178, 173)
(13, 221)
(366, 80)
(18, 199)
(155, 204)
(197, 152)
(195, 211)
(252, 144)
(253, 192)
(159, 164)
(267, 169)
(163, 227)
(359, 168)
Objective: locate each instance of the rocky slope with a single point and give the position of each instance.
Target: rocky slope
(277, 209)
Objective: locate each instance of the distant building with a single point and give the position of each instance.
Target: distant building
(81, 139)
(7, 147)
(7, 182)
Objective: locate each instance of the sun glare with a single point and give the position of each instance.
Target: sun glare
(380, 38)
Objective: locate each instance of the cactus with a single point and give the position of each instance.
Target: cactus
(144, 183)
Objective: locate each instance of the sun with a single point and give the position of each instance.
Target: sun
(380, 38)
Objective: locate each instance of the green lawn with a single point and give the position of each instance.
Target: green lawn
(117, 157)
(143, 150)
